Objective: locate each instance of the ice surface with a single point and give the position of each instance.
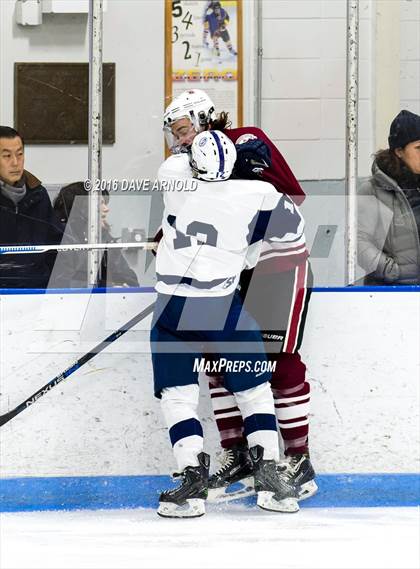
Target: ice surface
(234, 536)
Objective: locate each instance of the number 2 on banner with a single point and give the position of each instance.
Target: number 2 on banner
(187, 54)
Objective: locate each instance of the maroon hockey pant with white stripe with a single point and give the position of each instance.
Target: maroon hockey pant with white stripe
(279, 303)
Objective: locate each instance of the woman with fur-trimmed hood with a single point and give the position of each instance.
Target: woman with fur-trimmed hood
(389, 209)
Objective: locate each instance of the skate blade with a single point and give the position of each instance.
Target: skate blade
(194, 508)
(236, 491)
(266, 501)
(307, 490)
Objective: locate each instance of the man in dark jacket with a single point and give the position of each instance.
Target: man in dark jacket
(26, 217)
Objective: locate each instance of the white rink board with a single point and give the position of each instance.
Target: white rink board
(361, 349)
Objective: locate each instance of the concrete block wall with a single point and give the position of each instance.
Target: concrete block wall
(410, 55)
(304, 43)
(304, 84)
(133, 38)
(304, 80)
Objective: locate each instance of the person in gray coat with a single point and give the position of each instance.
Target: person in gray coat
(389, 209)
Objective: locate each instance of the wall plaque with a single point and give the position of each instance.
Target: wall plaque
(52, 101)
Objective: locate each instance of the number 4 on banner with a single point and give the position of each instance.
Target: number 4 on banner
(188, 22)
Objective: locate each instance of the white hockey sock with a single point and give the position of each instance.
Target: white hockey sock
(257, 407)
(179, 406)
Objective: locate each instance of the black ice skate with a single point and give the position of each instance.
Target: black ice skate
(188, 499)
(234, 479)
(275, 490)
(301, 472)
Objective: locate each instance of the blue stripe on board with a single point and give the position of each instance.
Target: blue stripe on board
(110, 492)
(400, 288)
(116, 290)
(126, 290)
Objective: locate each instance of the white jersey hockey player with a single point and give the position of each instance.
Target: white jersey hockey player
(208, 237)
(211, 232)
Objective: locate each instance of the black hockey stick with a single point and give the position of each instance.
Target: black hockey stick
(77, 365)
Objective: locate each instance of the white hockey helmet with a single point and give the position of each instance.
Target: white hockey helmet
(213, 156)
(193, 104)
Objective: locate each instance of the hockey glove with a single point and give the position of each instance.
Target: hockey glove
(253, 157)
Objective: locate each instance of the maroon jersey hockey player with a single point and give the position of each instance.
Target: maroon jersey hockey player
(276, 293)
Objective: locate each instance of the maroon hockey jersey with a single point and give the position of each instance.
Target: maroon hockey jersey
(284, 258)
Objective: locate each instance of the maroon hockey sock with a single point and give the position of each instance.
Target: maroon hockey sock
(291, 397)
(227, 414)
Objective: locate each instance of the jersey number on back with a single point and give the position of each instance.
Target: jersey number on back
(205, 233)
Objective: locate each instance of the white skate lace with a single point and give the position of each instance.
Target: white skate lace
(226, 460)
(287, 466)
(177, 475)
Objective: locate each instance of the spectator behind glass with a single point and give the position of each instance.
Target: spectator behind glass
(71, 207)
(26, 217)
(389, 209)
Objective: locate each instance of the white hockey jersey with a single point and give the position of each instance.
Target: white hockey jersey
(214, 230)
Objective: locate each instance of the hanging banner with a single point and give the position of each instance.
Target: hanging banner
(204, 51)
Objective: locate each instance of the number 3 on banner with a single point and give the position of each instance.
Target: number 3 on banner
(175, 36)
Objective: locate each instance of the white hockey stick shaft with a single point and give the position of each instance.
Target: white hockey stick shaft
(21, 249)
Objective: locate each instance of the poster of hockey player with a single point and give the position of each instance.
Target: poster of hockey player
(205, 36)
